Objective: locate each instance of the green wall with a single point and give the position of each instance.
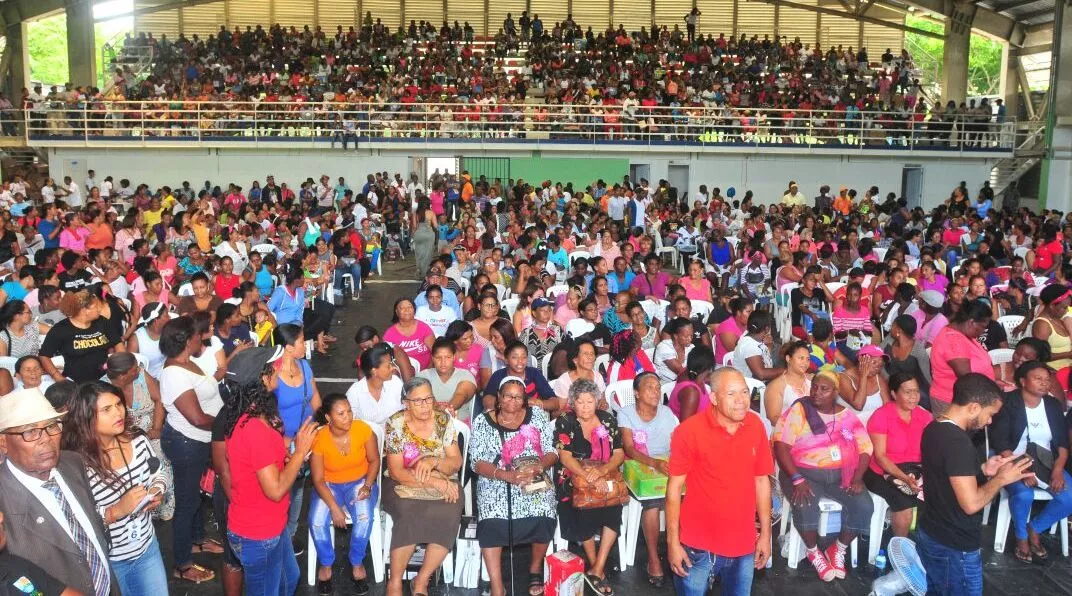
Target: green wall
(581, 171)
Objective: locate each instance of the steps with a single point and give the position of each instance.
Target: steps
(1028, 154)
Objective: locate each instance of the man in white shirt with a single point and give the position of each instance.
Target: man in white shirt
(50, 516)
(74, 193)
(616, 207)
(91, 181)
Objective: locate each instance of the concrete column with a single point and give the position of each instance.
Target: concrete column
(16, 61)
(955, 56)
(81, 50)
(1056, 186)
(1010, 81)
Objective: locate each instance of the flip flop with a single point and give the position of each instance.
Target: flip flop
(535, 584)
(183, 573)
(1038, 552)
(1024, 556)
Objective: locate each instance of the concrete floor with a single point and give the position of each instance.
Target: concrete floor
(1003, 573)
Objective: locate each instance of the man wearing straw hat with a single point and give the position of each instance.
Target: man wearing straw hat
(49, 514)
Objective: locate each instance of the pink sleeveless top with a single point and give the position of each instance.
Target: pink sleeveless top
(675, 400)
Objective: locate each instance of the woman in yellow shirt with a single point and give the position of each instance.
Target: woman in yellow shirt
(345, 465)
(200, 229)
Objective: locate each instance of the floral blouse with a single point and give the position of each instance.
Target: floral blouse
(400, 440)
(569, 436)
(488, 446)
(540, 346)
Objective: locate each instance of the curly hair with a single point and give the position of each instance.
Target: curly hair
(250, 399)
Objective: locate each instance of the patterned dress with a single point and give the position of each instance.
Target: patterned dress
(141, 410)
(578, 525)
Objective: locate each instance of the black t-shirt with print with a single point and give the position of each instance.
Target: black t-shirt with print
(74, 281)
(84, 351)
(19, 577)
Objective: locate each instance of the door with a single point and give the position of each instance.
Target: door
(638, 171)
(678, 177)
(912, 185)
(77, 169)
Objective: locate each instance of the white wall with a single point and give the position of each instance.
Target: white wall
(1059, 185)
(767, 176)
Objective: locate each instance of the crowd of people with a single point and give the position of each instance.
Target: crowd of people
(159, 349)
(658, 82)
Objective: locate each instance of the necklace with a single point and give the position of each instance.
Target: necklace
(344, 447)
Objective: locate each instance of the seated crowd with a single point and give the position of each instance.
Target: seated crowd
(422, 80)
(164, 352)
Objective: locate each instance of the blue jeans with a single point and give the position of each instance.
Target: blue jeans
(949, 571)
(353, 269)
(270, 565)
(297, 497)
(189, 460)
(1022, 496)
(360, 513)
(735, 573)
(144, 575)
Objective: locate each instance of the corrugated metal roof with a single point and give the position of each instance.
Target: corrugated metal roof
(1031, 12)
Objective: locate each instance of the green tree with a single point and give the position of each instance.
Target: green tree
(984, 59)
(46, 46)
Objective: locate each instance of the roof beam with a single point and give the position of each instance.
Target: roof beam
(167, 5)
(1000, 6)
(1031, 50)
(849, 15)
(986, 20)
(1027, 16)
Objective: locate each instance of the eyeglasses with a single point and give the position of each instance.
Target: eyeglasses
(31, 435)
(514, 396)
(421, 402)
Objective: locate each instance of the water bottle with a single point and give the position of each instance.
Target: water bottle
(880, 563)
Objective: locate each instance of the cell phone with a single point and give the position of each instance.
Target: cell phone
(153, 492)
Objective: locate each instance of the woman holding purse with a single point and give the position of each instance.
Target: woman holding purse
(589, 450)
(421, 491)
(512, 448)
(1031, 421)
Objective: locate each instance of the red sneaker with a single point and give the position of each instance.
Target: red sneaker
(836, 556)
(821, 565)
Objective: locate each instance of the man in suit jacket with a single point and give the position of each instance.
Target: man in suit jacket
(49, 514)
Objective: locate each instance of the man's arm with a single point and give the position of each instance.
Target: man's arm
(763, 510)
(972, 497)
(679, 560)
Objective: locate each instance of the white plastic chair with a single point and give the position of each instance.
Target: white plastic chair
(795, 544)
(619, 395)
(602, 364)
(504, 292)
(545, 364)
(8, 363)
(702, 308)
(186, 290)
(415, 364)
(348, 279)
(577, 254)
(652, 309)
(1010, 323)
(666, 389)
(464, 284)
(1001, 356)
(510, 305)
(783, 320)
(878, 523)
(756, 384)
(578, 327)
(1001, 530)
(555, 290)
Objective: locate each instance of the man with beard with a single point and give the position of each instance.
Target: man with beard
(949, 537)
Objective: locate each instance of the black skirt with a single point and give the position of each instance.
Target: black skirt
(494, 532)
(578, 525)
(897, 500)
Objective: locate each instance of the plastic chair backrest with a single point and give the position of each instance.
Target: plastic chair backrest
(702, 308)
(619, 395)
(510, 305)
(555, 290)
(1001, 356)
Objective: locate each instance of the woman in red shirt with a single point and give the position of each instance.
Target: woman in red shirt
(261, 475)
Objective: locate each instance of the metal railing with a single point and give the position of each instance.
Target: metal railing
(199, 122)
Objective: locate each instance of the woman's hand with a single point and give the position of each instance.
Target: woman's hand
(303, 442)
(449, 490)
(913, 483)
(154, 432)
(422, 470)
(338, 517)
(1057, 480)
(129, 501)
(365, 491)
(855, 487)
(802, 494)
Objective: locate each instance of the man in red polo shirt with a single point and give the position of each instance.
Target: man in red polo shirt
(723, 458)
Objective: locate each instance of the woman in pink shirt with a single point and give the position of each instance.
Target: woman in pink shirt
(413, 336)
(957, 352)
(896, 430)
(730, 330)
(930, 279)
(436, 199)
(467, 350)
(696, 285)
(74, 234)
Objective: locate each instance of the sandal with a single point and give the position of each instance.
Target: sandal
(1024, 556)
(598, 584)
(657, 580)
(207, 546)
(535, 584)
(1038, 552)
(194, 573)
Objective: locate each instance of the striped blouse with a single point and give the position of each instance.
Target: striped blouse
(131, 536)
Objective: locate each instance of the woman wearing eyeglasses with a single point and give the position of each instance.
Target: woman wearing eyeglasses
(421, 491)
(513, 445)
(126, 484)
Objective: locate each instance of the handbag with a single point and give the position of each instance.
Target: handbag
(914, 469)
(208, 482)
(608, 491)
(1041, 458)
(421, 493)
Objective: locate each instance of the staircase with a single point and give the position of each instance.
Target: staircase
(136, 60)
(1027, 154)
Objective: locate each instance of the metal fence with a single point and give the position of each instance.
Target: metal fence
(198, 122)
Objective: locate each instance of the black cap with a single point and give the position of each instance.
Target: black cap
(246, 367)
